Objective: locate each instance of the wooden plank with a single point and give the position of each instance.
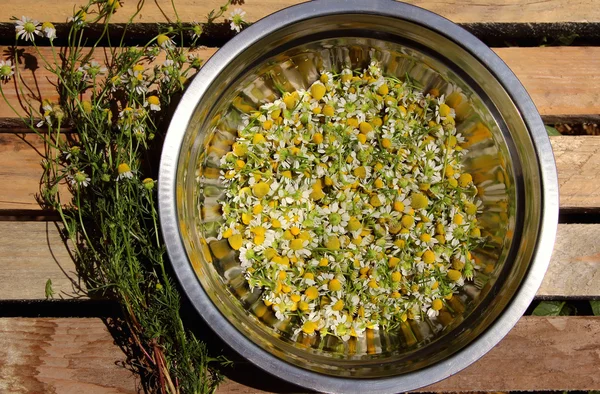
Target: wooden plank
(20, 157)
(32, 252)
(61, 356)
(467, 11)
(563, 81)
(577, 160)
(540, 353)
(575, 264)
(37, 82)
(77, 355)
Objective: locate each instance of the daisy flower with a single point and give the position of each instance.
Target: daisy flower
(197, 30)
(153, 102)
(164, 41)
(27, 28)
(332, 184)
(124, 172)
(80, 178)
(49, 30)
(7, 70)
(237, 19)
(79, 18)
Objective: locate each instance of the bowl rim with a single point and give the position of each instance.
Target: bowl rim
(167, 187)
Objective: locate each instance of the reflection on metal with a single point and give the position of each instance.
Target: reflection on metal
(509, 157)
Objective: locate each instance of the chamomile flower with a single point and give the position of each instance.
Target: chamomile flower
(237, 19)
(195, 61)
(341, 217)
(49, 30)
(164, 41)
(27, 28)
(79, 178)
(124, 172)
(153, 102)
(72, 153)
(78, 19)
(7, 70)
(197, 30)
(337, 218)
(91, 70)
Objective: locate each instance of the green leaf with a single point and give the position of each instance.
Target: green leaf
(568, 310)
(552, 131)
(549, 308)
(49, 291)
(595, 307)
(568, 39)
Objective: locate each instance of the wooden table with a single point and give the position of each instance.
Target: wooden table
(63, 345)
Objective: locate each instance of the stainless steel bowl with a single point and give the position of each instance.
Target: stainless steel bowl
(509, 156)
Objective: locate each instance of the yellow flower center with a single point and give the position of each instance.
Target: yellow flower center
(123, 168)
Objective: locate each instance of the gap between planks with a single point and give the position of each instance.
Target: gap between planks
(79, 355)
(459, 11)
(33, 252)
(577, 159)
(562, 81)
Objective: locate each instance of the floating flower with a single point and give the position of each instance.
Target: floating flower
(348, 206)
(27, 28)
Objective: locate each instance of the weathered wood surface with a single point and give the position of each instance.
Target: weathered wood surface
(577, 160)
(21, 171)
(563, 81)
(71, 355)
(540, 353)
(32, 252)
(61, 356)
(467, 11)
(575, 264)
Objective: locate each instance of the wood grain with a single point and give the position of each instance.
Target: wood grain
(540, 353)
(577, 160)
(61, 356)
(467, 11)
(32, 252)
(563, 81)
(575, 264)
(20, 170)
(37, 83)
(77, 355)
